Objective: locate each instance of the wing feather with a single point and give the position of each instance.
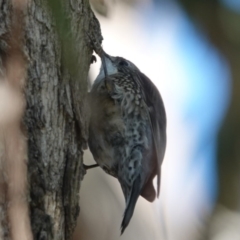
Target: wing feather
(157, 118)
(156, 113)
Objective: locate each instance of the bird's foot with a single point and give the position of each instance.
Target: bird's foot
(87, 167)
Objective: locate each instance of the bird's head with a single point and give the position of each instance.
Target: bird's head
(112, 65)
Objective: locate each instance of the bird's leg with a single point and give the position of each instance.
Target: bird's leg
(87, 167)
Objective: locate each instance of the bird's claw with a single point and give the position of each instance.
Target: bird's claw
(87, 167)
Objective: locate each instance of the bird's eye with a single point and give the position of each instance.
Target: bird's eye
(123, 63)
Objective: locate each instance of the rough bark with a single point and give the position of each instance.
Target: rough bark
(58, 59)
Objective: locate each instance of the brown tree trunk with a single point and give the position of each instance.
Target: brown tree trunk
(58, 58)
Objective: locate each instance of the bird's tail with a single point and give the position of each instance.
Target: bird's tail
(135, 192)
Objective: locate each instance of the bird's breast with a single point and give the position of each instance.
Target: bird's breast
(118, 125)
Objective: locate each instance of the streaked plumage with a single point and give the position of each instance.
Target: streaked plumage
(127, 130)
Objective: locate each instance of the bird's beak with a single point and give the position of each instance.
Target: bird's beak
(104, 56)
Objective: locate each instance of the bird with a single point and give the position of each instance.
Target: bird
(127, 130)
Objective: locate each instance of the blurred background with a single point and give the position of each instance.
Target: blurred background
(190, 49)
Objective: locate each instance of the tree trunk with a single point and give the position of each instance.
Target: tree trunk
(58, 58)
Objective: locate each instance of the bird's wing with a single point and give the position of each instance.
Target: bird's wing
(157, 118)
(155, 108)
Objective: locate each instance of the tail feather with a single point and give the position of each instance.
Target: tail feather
(135, 192)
